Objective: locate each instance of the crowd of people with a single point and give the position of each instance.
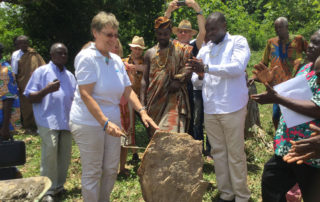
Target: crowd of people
(179, 85)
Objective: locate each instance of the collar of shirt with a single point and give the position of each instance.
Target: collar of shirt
(225, 38)
(97, 52)
(222, 43)
(56, 68)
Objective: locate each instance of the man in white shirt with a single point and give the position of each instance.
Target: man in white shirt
(220, 69)
(22, 44)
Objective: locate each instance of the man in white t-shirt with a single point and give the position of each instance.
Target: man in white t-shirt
(220, 67)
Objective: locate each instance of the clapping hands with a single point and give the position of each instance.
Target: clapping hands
(305, 149)
(264, 74)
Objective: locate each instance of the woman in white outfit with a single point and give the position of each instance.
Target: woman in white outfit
(95, 115)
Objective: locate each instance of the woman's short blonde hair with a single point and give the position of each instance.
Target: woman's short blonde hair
(103, 19)
(120, 48)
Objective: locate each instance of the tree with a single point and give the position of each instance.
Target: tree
(49, 21)
(10, 26)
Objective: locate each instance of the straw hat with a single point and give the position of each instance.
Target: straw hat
(184, 25)
(137, 42)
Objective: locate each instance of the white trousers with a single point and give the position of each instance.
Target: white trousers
(226, 137)
(56, 148)
(100, 155)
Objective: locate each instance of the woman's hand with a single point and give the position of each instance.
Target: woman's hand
(268, 97)
(264, 74)
(113, 130)
(147, 120)
(305, 149)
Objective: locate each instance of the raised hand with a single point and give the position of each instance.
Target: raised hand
(171, 7)
(264, 74)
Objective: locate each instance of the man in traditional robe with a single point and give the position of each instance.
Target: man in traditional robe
(164, 89)
(26, 64)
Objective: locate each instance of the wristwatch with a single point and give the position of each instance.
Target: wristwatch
(206, 69)
(200, 12)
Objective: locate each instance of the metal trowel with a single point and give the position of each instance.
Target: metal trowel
(125, 142)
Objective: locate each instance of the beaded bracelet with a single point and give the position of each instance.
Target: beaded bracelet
(105, 125)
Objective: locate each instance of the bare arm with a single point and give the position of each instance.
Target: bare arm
(201, 22)
(305, 107)
(145, 78)
(130, 95)
(36, 97)
(171, 7)
(94, 109)
(139, 68)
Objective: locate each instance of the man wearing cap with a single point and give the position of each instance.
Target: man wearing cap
(185, 33)
(134, 64)
(163, 87)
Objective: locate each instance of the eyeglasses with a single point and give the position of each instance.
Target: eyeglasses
(110, 35)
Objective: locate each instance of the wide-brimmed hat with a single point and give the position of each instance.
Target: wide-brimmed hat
(137, 42)
(184, 25)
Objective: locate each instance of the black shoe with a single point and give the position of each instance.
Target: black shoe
(47, 198)
(135, 157)
(222, 200)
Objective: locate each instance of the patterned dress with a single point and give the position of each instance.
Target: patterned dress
(287, 57)
(171, 111)
(284, 135)
(135, 78)
(9, 90)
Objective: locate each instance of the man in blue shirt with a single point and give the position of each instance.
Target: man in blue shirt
(50, 90)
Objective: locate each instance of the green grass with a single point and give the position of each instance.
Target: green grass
(128, 188)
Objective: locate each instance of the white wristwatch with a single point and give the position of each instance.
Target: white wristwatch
(206, 69)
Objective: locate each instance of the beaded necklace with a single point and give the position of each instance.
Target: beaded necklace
(218, 51)
(158, 57)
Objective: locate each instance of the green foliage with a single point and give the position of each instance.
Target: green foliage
(50, 21)
(10, 26)
(254, 18)
(69, 21)
(303, 15)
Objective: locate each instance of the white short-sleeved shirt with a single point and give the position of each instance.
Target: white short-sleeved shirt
(16, 55)
(110, 81)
